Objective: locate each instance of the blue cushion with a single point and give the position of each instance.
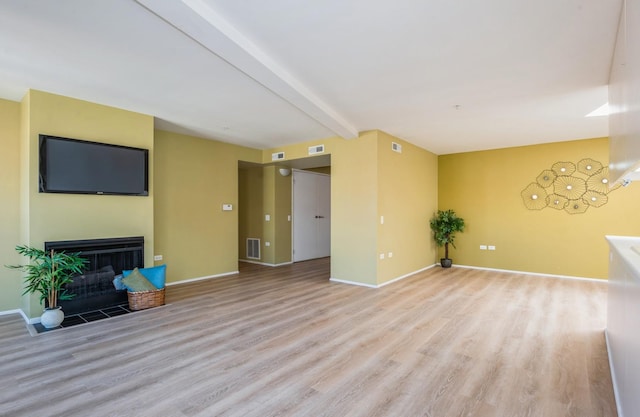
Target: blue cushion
(157, 275)
(117, 282)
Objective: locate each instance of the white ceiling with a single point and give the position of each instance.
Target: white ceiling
(448, 76)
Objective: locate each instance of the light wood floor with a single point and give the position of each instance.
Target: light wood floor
(286, 342)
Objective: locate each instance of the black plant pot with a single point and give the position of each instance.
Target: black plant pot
(445, 262)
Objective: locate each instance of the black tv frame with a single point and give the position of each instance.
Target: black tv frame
(44, 187)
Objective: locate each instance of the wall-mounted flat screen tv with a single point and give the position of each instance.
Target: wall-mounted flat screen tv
(82, 167)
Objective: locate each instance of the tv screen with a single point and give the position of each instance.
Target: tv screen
(83, 167)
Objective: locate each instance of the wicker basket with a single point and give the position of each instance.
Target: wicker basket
(140, 300)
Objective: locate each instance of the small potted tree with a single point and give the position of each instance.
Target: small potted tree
(47, 274)
(445, 225)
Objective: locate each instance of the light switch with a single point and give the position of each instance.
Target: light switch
(227, 207)
(267, 217)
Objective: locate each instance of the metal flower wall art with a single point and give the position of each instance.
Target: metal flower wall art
(569, 187)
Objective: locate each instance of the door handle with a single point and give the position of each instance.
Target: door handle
(319, 217)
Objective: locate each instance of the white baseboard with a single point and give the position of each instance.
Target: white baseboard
(264, 263)
(614, 380)
(24, 316)
(362, 284)
(342, 281)
(359, 284)
(405, 276)
(539, 274)
(6, 313)
(184, 281)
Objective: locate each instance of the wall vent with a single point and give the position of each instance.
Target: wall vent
(277, 156)
(253, 248)
(316, 149)
(396, 147)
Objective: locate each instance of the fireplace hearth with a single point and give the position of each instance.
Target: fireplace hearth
(107, 258)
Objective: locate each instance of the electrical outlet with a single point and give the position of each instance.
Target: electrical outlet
(382, 256)
(483, 247)
(267, 243)
(157, 258)
(491, 247)
(390, 255)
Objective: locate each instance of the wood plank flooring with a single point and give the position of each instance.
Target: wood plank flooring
(287, 342)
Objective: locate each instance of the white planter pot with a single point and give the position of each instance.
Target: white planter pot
(52, 317)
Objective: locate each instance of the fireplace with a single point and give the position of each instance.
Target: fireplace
(107, 258)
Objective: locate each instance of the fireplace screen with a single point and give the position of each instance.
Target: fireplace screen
(107, 258)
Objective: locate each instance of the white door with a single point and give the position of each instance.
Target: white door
(304, 216)
(311, 215)
(323, 222)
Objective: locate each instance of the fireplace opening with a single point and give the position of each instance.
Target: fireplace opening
(107, 258)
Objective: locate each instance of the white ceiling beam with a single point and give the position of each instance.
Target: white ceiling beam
(204, 25)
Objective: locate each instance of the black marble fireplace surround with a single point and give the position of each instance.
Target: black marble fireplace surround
(107, 258)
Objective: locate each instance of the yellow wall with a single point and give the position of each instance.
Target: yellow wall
(268, 227)
(282, 224)
(52, 217)
(264, 191)
(369, 180)
(10, 280)
(354, 196)
(484, 189)
(250, 207)
(25, 302)
(353, 203)
(277, 204)
(407, 195)
(193, 178)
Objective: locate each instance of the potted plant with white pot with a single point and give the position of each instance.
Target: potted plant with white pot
(47, 274)
(445, 224)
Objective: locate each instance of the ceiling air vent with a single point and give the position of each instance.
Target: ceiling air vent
(316, 149)
(396, 147)
(277, 156)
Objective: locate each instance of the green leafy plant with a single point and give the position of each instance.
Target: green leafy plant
(445, 225)
(48, 273)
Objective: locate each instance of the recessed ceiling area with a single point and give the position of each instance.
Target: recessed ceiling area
(446, 76)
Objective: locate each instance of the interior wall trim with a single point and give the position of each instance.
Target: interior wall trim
(362, 284)
(263, 263)
(7, 312)
(359, 284)
(184, 281)
(539, 274)
(24, 316)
